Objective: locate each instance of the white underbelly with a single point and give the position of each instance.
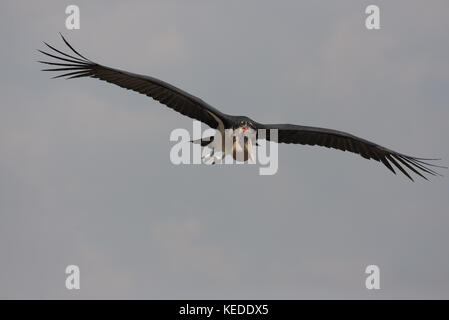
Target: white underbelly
(234, 141)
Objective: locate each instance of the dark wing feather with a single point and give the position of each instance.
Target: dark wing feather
(289, 133)
(77, 66)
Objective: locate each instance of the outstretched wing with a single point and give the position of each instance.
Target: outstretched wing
(289, 133)
(77, 66)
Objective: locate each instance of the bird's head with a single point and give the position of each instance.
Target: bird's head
(244, 124)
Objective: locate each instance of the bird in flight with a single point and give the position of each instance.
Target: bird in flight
(75, 65)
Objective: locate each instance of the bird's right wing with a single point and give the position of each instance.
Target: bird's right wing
(78, 66)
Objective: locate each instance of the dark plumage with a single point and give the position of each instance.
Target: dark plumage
(77, 66)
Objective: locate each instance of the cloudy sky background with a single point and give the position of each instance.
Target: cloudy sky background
(85, 176)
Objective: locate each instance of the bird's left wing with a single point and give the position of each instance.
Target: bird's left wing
(289, 133)
(78, 66)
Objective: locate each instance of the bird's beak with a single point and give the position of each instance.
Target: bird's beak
(244, 129)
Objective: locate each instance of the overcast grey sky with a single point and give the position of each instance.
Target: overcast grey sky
(85, 176)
